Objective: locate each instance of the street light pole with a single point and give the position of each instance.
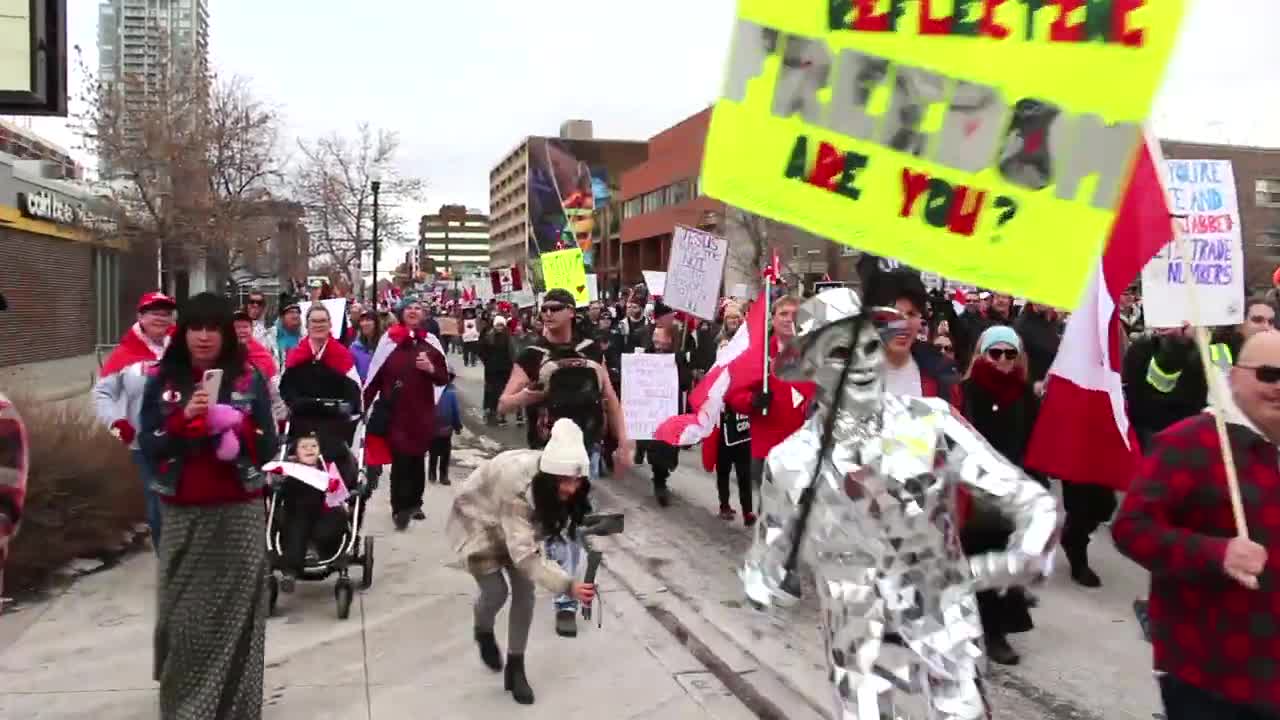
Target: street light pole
(375, 183)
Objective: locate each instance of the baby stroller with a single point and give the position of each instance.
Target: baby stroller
(351, 548)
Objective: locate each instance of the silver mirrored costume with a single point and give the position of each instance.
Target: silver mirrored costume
(897, 593)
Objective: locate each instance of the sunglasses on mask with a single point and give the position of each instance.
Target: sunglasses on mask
(1267, 374)
(1007, 353)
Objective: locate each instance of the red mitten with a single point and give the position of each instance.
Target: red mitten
(124, 431)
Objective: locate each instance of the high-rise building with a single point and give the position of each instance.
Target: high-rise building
(454, 241)
(512, 200)
(153, 44)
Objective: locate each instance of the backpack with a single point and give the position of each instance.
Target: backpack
(572, 384)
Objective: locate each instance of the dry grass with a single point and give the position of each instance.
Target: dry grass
(83, 493)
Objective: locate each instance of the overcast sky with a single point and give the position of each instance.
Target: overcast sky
(463, 81)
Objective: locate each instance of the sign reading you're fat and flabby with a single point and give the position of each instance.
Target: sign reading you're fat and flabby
(987, 140)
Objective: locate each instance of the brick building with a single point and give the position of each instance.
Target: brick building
(1257, 173)
(665, 191)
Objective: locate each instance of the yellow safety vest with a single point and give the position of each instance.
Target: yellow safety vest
(1220, 355)
(1163, 382)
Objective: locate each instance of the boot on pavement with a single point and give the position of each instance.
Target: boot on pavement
(515, 681)
(567, 623)
(490, 654)
(726, 512)
(1081, 573)
(1000, 651)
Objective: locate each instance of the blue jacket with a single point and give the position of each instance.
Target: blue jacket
(362, 355)
(448, 412)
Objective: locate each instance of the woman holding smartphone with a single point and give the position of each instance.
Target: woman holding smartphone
(211, 612)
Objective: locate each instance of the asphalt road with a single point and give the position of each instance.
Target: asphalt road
(1085, 660)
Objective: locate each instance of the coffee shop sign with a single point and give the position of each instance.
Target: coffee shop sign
(44, 206)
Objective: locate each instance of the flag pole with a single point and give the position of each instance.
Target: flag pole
(768, 292)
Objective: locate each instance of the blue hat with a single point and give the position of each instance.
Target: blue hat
(997, 334)
(406, 301)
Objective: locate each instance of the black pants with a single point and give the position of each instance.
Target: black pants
(470, 353)
(1188, 702)
(438, 458)
(308, 521)
(492, 391)
(757, 472)
(730, 458)
(408, 482)
(1087, 506)
(663, 458)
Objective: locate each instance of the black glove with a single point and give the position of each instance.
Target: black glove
(761, 400)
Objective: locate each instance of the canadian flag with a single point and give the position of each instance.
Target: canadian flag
(738, 364)
(1083, 433)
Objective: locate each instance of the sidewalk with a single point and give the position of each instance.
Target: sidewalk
(406, 651)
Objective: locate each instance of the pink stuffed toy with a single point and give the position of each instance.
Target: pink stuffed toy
(225, 421)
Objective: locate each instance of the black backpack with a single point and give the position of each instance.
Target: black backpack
(572, 384)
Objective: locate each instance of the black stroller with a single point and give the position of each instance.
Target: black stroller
(342, 442)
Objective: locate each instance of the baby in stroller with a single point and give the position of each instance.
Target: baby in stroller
(313, 496)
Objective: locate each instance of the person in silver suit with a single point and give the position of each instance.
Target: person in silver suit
(864, 497)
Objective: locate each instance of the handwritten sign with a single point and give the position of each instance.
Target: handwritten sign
(1203, 192)
(650, 392)
(564, 269)
(593, 290)
(970, 138)
(695, 269)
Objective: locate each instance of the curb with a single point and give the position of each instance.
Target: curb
(763, 691)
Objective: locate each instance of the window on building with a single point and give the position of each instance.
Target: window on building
(631, 208)
(106, 292)
(1270, 238)
(678, 193)
(1268, 192)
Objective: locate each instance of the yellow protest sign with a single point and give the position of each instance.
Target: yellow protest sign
(565, 269)
(987, 140)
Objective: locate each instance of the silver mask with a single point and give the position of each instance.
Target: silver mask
(897, 593)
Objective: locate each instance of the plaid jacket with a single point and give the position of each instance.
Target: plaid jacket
(1176, 521)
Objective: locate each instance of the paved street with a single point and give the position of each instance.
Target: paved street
(406, 651)
(1085, 660)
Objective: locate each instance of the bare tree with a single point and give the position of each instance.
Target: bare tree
(185, 157)
(333, 180)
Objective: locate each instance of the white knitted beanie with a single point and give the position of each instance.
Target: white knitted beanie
(565, 453)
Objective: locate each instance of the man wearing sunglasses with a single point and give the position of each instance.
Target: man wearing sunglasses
(914, 367)
(256, 307)
(1213, 591)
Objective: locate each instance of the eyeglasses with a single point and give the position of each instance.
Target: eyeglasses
(1268, 374)
(256, 302)
(1008, 353)
(553, 307)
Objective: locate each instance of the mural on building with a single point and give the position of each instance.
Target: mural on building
(562, 198)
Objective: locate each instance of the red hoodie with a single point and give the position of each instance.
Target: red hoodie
(788, 408)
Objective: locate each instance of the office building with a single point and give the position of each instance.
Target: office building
(453, 242)
(514, 199)
(18, 140)
(148, 43)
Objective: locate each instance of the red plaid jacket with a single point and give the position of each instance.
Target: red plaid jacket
(1176, 521)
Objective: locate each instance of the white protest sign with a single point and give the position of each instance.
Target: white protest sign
(656, 281)
(650, 392)
(739, 290)
(695, 269)
(1203, 193)
(522, 298)
(337, 308)
(593, 289)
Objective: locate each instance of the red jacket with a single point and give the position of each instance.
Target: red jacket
(1176, 520)
(787, 410)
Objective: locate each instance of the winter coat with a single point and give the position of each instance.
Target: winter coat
(362, 355)
(1040, 338)
(1152, 409)
(491, 523)
(448, 412)
(284, 342)
(411, 391)
(496, 354)
(117, 396)
(788, 408)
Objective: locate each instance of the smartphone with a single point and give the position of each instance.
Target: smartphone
(212, 383)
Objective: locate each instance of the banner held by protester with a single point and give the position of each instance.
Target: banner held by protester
(650, 392)
(695, 270)
(1202, 196)
(979, 146)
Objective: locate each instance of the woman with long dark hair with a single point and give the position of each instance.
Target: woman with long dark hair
(501, 516)
(1001, 404)
(206, 446)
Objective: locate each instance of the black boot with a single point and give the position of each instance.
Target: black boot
(1000, 651)
(1078, 557)
(490, 654)
(516, 682)
(567, 623)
